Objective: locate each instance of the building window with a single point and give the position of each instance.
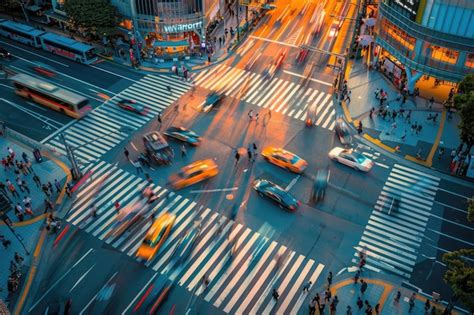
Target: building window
(442, 54)
(398, 35)
(470, 60)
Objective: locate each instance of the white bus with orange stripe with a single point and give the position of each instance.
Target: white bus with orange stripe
(50, 95)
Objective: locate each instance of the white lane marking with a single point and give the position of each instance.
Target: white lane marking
(313, 280)
(7, 86)
(81, 278)
(139, 293)
(95, 296)
(302, 76)
(38, 107)
(213, 190)
(273, 41)
(44, 119)
(30, 52)
(292, 183)
(453, 193)
(113, 73)
(60, 279)
(381, 165)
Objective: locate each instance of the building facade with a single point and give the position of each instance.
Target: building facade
(169, 27)
(433, 38)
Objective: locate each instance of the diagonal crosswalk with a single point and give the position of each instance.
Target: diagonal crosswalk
(239, 284)
(98, 132)
(395, 230)
(281, 96)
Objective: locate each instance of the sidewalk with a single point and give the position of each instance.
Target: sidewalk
(379, 292)
(400, 137)
(28, 230)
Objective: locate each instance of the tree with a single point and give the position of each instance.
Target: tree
(464, 103)
(460, 276)
(470, 210)
(98, 16)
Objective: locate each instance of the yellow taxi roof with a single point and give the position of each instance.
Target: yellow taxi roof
(159, 224)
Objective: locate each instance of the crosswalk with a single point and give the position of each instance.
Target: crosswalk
(395, 230)
(102, 129)
(241, 284)
(278, 95)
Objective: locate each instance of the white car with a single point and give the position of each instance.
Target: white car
(351, 158)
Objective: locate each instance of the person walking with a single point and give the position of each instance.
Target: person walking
(117, 206)
(307, 286)
(329, 279)
(48, 205)
(371, 113)
(138, 166)
(332, 308)
(359, 127)
(404, 135)
(408, 117)
(359, 303)
(237, 157)
(57, 184)
(356, 276)
(37, 180)
(348, 310)
(427, 306)
(126, 153)
(397, 297)
(50, 187)
(411, 302)
(45, 189)
(418, 129)
(363, 286)
(394, 126)
(275, 294)
(12, 189)
(5, 242)
(249, 153)
(431, 102)
(183, 151)
(377, 308)
(159, 119)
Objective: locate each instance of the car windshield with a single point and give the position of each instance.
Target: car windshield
(359, 157)
(294, 159)
(283, 195)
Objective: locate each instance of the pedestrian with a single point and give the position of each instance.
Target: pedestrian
(394, 115)
(159, 118)
(397, 297)
(138, 166)
(50, 188)
(359, 127)
(431, 102)
(126, 153)
(327, 295)
(408, 117)
(363, 286)
(329, 278)
(394, 126)
(411, 302)
(275, 294)
(377, 93)
(5, 242)
(418, 129)
(427, 305)
(20, 216)
(435, 117)
(335, 300)
(58, 186)
(11, 152)
(237, 156)
(356, 276)
(45, 189)
(5, 165)
(440, 153)
(377, 308)
(368, 308)
(312, 307)
(48, 205)
(404, 135)
(68, 190)
(117, 206)
(169, 87)
(250, 114)
(307, 286)
(371, 113)
(348, 97)
(332, 308)
(317, 298)
(453, 154)
(18, 209)
(349, 310)
(12, 189)
(27, 201)
(359, 303)
(37, 180)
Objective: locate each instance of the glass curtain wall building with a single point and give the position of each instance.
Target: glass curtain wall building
(426, 37)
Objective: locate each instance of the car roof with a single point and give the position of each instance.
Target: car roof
(158, 225)
(201, 164)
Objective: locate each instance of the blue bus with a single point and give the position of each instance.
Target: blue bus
(21, 33)
(69, 48)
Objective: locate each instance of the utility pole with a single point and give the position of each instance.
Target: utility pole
(22, 5)
(71, 157)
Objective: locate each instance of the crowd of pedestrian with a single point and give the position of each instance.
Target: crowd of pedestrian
(18, 172)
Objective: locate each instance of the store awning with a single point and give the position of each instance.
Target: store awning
(179, 43)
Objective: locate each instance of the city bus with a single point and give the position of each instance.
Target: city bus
(52, 96)
(69, 48)
(21, 33)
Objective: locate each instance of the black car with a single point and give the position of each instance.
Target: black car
(284, 199)
(183, 134)
(343, 132)
(5, 54)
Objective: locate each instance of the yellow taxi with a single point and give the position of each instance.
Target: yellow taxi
(156, 236)
(194, 173)
(284, 159)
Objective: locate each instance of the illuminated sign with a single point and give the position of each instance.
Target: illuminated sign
(178, 28)
(411, 6)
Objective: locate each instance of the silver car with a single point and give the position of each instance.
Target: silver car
(351, 158)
